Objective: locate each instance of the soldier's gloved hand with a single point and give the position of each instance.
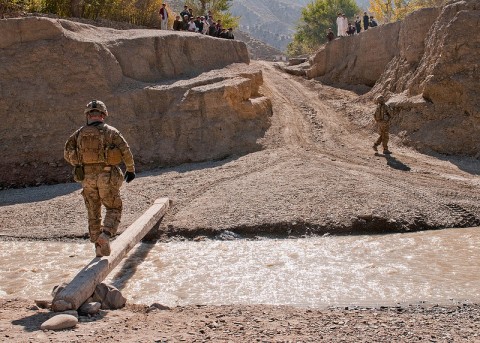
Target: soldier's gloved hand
(129, 176)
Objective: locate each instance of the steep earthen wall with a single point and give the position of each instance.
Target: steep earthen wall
(176, 97)
(362, 59)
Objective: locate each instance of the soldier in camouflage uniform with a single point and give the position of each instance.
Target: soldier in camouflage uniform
(382, 117)
(96, 150)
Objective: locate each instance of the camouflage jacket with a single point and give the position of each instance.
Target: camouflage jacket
(382, 113)
(112, 138)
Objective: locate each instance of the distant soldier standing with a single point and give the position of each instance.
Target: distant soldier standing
(382, 117)
(96, 150)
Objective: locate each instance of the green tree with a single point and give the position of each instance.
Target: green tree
(387, 11)
(317, 17)
(138, 12)
(14, 7)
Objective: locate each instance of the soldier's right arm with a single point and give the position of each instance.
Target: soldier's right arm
(377, 114)
(70, 151)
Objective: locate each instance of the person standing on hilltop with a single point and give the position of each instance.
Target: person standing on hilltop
(219, 27)
(330, 35)
(192, 27)
(185, 12)
(185, 23)
(358, 25)
(212, 29)
(163, 17)
(96, 150)
(199, 24)
(366, 21)
(177, 24)
(223, 33)
(339, 24)
(229, 34)
(350, 29)
(205, 25)
(382, 117)
(209, 17)
(345, 25)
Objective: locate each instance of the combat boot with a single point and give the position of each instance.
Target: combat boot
(387, 152)
(102, 245)
(375, 148)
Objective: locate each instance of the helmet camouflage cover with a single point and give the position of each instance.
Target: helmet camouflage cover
(96, 106)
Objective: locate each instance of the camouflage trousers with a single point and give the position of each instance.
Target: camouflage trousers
(102, 187)
(383, 128)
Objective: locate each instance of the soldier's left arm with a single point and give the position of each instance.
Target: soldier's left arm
(127, 156)
(70, 152)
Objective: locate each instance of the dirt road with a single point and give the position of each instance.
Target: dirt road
(317, 173)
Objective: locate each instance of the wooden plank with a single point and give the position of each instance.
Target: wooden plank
(83, 284)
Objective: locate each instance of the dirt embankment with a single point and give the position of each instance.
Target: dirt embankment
(171, 94)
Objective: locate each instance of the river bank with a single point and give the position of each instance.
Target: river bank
(20, 320)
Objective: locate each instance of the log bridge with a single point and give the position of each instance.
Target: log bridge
(83, 284)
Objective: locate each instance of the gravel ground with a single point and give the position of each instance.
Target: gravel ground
(20, 322)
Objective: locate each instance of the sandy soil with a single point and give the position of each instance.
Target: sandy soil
(20, 322)
(316, 174)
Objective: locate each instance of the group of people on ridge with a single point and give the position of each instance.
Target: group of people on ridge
(204, 24)
(346, 28)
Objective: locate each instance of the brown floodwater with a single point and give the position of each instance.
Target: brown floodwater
(432, 266)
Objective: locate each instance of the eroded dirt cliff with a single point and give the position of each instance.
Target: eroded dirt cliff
(176, 97)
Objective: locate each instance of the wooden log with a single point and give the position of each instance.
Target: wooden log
(83, 284)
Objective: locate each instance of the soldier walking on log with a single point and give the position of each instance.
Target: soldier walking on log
(96, 150)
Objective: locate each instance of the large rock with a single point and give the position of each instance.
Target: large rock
(109, 297)
(176, 96)
(427, 64)
(60, 322)
(90, 308)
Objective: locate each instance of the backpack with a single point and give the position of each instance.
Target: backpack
(381, 113)
(91, 145)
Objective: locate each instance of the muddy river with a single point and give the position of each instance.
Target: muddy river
(432, 266)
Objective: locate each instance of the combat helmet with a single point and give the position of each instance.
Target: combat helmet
(380, 99)
(96, 106)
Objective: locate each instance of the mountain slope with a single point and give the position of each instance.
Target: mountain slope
(271, 21)
(257, 49)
